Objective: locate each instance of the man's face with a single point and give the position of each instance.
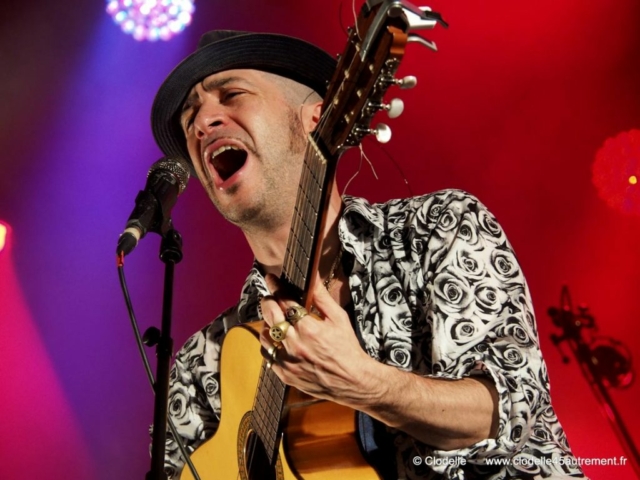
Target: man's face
(246, 141)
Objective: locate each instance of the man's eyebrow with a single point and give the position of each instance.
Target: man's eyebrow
(208, 86)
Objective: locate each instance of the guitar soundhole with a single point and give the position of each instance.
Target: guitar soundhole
(253, 462)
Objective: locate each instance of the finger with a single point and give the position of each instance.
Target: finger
(327, 306)
(261, 301)
(268, 346)
(284, 298)
(270, 352)
(289, 342)
(278, 332)
(265, 340)
(269, 349)
(278, 288)
(271, 310)
(282, 292)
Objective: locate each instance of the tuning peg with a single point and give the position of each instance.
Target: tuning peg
(407, 82)
(404, 83)
(394, 108)
(382, 132)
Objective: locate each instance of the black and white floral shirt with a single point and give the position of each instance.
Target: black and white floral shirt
(436, 290)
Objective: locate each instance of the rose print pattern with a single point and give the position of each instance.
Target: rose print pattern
(436, 290)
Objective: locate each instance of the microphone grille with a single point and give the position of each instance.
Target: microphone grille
(176, 166)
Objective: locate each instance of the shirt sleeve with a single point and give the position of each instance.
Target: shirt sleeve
(194, 394)
(194, 389)
(483, 323)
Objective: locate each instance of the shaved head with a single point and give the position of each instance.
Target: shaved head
(295, 93)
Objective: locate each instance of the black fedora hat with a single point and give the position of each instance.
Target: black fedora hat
(221, 50)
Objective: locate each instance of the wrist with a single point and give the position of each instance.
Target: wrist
(381, 385)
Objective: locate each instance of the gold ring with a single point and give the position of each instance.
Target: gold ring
(295, 313)
(268, 365)
(279, 331)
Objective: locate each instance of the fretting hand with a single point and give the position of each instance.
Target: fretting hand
(319, 355)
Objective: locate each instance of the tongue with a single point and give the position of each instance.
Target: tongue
(229, 162)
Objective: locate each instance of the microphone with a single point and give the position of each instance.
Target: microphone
(167, 178)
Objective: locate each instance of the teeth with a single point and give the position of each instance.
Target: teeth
(224, 148)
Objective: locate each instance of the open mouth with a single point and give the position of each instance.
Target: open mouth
(227, 160)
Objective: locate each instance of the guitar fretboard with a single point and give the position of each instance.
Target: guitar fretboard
(305, 222)
(267, 410)
(297, 270)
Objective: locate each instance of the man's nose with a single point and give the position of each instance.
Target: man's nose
(209, 118)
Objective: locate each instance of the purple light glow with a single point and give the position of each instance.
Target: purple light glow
(28, 378)
(151, 19)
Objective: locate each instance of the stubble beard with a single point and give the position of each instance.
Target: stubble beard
(275, 205)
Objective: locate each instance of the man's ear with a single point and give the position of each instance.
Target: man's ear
(311, 116)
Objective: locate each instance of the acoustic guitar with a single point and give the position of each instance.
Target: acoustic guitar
(267, 430)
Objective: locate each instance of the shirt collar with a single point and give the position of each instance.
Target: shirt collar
(357, 227)
(358, 217)
(362, 207)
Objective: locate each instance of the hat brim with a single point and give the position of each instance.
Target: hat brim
(286, 56)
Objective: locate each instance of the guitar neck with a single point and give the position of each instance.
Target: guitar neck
(302, 255)
(299, 266)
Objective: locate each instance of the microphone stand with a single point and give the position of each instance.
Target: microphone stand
(170, 254)
(603, 367)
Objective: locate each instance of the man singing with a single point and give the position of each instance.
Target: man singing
(422, 319)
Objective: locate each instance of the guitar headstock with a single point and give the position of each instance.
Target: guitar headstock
(367, 68)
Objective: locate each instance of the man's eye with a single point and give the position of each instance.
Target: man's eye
(188, 121)
(231, 94)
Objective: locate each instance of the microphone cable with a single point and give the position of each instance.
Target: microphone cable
(145, 361)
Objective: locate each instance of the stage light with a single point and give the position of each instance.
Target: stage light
(3, 236)
(151, 19)
(615, 172)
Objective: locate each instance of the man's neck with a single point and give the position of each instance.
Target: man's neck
(269, 247)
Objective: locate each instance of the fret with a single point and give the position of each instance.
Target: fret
(305, 218)
(267, 410)
(304, 248)
(257, 418)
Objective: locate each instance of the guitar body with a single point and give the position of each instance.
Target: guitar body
(319, 440)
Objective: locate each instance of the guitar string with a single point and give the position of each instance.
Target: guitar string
(300, 220)
(298, 214)
(255, 411)
(373, 170)
(305, 181)
(265, 416)
(355, 17)
(309, 213)
(252, 448)
(291, 248)
(304, 213)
